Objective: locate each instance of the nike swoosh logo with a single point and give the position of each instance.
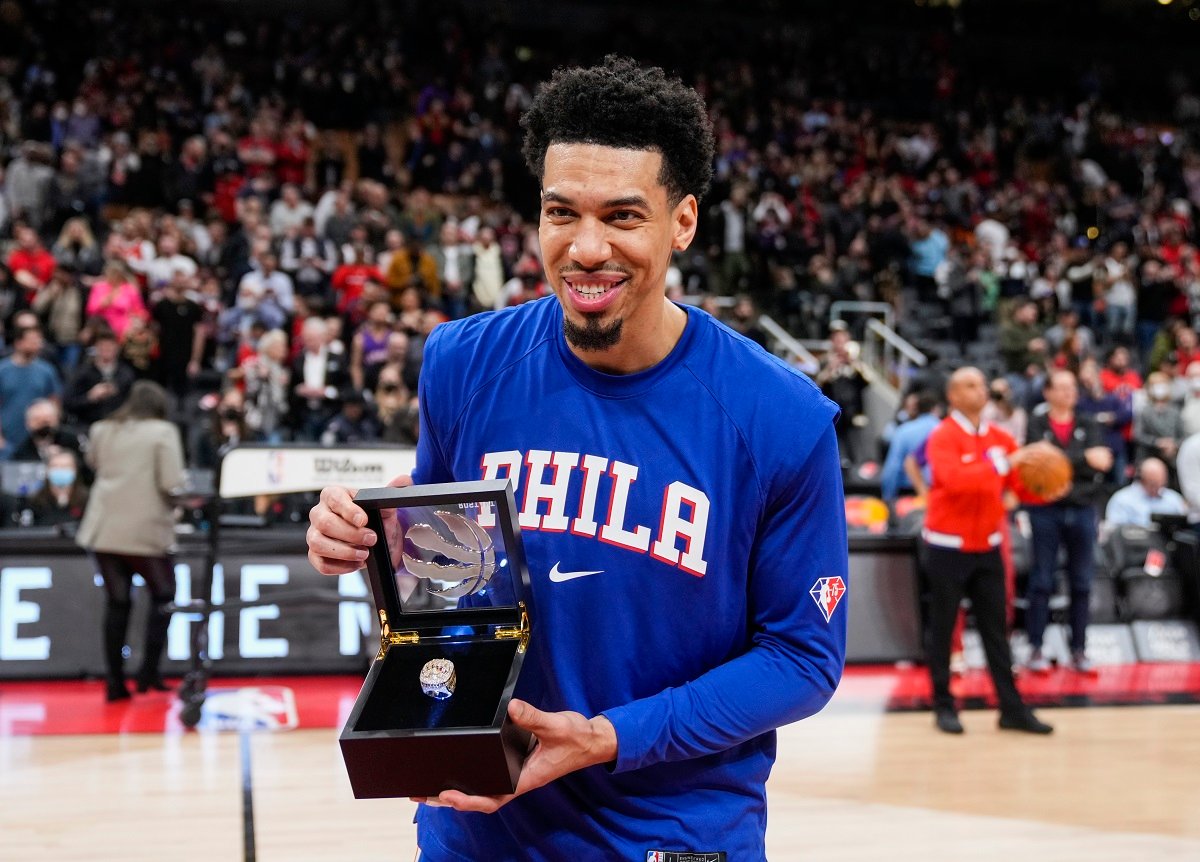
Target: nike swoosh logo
(558, 577)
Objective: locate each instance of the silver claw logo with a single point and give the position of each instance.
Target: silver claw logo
(456, 568)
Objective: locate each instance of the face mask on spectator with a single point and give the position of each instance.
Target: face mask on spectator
(1160, 391)
(61, 477)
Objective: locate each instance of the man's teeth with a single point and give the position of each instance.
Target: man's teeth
(590, 290)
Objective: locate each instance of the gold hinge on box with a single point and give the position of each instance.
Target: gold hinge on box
(516, 632)
(388, 638)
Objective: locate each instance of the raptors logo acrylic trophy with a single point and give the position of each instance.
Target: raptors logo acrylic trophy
(451, 588)
(466, 565)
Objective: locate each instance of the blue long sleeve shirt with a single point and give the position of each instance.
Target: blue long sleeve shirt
(685, 533)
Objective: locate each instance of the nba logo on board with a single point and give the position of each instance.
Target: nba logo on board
(827, 592)
(655, 856)
(274, 467)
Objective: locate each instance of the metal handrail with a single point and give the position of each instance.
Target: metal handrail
(789, 343)
(890, 357)
(884, 309)
(889, 335)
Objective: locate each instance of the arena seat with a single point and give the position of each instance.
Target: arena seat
(1143, 561)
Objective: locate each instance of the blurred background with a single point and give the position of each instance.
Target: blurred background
(267, 208)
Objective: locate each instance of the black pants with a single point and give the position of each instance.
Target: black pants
(1055, 526)
(980, 577)
(118, 570)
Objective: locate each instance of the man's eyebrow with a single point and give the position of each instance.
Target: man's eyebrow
(627, 201)
(614, 203)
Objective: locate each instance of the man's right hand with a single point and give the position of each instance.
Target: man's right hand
(1099, 458)
(337, 535)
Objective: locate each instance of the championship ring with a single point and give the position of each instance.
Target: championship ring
(438, 678)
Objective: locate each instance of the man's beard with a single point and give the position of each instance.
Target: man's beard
(592, 335)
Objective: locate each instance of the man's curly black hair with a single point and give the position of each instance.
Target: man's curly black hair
(624, 105)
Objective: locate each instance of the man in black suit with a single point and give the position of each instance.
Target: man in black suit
(318, 375)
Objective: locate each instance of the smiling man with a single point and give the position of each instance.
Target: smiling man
(681, 506)
(604, 255)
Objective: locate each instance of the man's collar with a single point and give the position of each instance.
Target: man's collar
(966, 425)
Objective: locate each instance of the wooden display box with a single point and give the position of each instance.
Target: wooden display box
(450, 581)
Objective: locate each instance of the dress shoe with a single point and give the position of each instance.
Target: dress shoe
(145, 684)
(947, 721)
(1038, 663)
(116, 690)
(1026, 722)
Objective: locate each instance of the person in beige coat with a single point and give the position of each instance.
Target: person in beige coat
(129, 525)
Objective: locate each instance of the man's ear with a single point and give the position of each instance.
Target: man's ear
(685, 217)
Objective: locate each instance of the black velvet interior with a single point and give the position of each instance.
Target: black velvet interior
(396, 701)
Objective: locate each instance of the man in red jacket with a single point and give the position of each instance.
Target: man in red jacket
(971, 465)
(30, 263)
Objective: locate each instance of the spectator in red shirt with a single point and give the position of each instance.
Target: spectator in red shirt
(1175, 253)
(228, 177)
(1187, 351)
(257, 150)
(31, 265)
(1117, 375)
(350, 278)
(292, 154)
(1118, 378)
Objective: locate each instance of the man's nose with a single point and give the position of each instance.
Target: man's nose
(589, 247)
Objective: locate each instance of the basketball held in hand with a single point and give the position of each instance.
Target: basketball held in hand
(1043, 471)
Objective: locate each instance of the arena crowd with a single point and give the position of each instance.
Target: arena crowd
(270, 216)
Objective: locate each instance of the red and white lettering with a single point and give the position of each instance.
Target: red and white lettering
(491, 465)
(547, 485)
(613, 532)
(593, 468)
(554, 492)
(675, 525)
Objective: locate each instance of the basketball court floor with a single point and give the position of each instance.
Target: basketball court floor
(868, 779)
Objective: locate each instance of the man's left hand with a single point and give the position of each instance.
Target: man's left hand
(563, 743)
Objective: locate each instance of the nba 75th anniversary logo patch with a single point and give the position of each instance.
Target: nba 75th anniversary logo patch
(683, 856)
(827, 592)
